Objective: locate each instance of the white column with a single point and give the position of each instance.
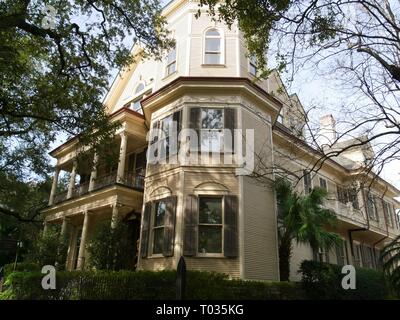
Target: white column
(71, 185)
(54, 186)
(82, 246)
(64, 226)
(93, 174)
(114, 216)
(122, 157)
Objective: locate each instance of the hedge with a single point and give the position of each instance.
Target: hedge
(144, 285)
(323, 281)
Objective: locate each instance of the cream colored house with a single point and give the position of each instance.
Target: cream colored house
(218, 219)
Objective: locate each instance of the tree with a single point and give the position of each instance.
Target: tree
(390, 257)
(302, 218)
(352, 44)
(56, 59)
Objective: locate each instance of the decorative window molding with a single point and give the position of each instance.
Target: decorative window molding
(213, 46)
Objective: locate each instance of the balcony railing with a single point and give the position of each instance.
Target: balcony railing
(129, 179)
(346, 210)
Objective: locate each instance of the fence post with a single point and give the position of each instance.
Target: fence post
(181, 279)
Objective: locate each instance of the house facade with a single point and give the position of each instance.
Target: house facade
(204, 196)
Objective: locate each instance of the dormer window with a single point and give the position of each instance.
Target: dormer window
(213, 47)
(171, 62)
(138, 97)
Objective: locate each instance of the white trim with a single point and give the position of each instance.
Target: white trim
(222, 43)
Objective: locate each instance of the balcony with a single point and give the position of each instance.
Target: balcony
(346, 211)
(130, 180)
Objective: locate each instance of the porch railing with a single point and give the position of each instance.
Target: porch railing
(130, 179)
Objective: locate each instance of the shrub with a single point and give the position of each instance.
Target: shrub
(146, 285)
(323, 281)
(21, 266)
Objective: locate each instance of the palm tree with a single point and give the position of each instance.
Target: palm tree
(302, 218)
(390, 257)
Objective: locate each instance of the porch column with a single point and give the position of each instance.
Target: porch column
(64, 227)
(114, 216)
(71, 185)
(122, 157)
(93, 174)
(54, 186)
(81, 254)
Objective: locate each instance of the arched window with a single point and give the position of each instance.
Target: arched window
(213, 47)
(139, 95)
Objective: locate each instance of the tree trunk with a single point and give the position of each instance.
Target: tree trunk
(285, 252)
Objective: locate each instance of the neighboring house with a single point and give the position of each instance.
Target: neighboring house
(218, 219)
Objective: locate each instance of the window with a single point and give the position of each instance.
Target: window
(253, 65)
(171, 62)
(210, 225)
(212, 123)
(348, 195)
(341, 253)
(307, 181)
(353, 198)
(323, 184)
(158, 226)
(387, 208)
(371, 207)
(357, 255)
(213, 47)
(135, 104)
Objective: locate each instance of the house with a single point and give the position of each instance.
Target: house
(198, 196)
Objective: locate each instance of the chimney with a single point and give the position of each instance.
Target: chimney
(327, 131)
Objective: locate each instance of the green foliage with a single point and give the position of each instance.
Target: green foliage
(20, 267)
(323, 281)
(110, 248)
(49, 249)
(390, 257)
(146, 285)
(303, 219)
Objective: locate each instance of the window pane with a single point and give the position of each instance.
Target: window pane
(211, 119)
(212, 32)
(158, 240)
(211, 140)
(159, 213)
(210, 210)
(210, 239)
(171, 56)
(136, 105)
(253, 70)
(171, 68)
(166, 125)
(212, 58)
(213, 44)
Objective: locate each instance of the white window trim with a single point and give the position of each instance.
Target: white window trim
(167, 75)
(151, 235)
(211, 255)
(143, 93)
(250, 64)
(203, 51)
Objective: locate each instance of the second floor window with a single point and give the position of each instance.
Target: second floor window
(213, 47)
(371, 207)
(307, 181)
(135, 105)
(323, 184)
(171, 62)
(253, 65)
(387, 208)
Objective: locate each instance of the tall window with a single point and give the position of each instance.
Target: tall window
(371, 207)
(171, 62)
(212, 124)
(210, 225)
(253, 65)
(213, 47)
(323, 184)
(307, 181)
(135, 104)
(387, 208)
(158, 226)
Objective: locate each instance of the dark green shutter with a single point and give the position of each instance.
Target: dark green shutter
(230, 226)
(230, 124)
(144, 240)
(194, 123)
(191, 226)
(169, 226)
(174, 142)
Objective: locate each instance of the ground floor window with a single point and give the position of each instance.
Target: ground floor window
(210, 225)
(158, 226)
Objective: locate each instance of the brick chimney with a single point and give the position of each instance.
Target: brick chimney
(327, 131)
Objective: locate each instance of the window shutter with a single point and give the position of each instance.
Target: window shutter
(194, 123)
(174, 142)
(230, 124)
(230, 226)
(169, 227)
(191, 217)
(144, 241)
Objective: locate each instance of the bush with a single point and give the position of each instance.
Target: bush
(21, 266)
(323, 281)
(145, 285)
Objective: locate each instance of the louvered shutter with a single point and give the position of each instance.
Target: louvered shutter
(230, 124)
(169, 226)
(230, 226)
(191, 225)
(194, 123)
(144, 239)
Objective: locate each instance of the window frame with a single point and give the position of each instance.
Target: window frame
(138, 96)
(253, 64)
(308, 174)
(219, 131)
(371, 197)
(325, 182)
(222, 224)
(221, 52)
(175, 61)
(153, 227)
(387, 209)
